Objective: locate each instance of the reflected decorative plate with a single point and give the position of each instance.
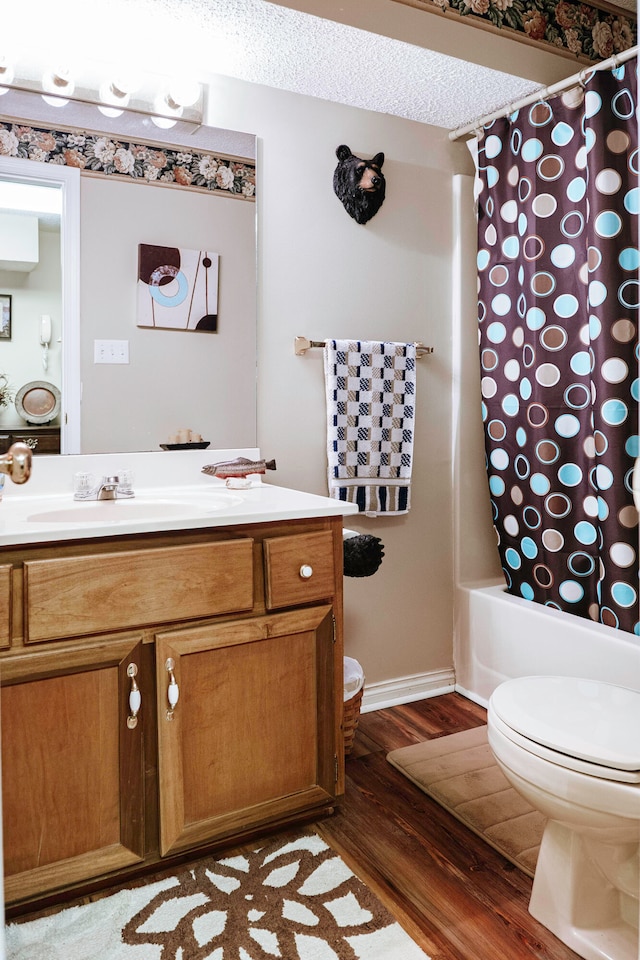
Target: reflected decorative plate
(38, 401)
(185, 446)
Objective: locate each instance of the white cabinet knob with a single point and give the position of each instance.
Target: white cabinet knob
(306, 571)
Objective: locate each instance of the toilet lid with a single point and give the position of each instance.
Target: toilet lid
(594, 721)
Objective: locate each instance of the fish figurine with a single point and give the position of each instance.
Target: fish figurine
(238, 468)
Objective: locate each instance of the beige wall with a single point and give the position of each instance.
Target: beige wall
(406, 275)
(322, 275)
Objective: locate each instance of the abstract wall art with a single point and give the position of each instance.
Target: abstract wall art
(177, 288)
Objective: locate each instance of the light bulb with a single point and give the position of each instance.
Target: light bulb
(169, 110)
(109, 111)
(183, 93)
(163, 122)
(7, 74)
(59, 82)
(113, 94)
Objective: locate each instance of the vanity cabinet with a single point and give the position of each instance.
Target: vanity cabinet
(166, 693)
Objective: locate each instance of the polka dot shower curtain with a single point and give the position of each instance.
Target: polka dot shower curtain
(558, 315)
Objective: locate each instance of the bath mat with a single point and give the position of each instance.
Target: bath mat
(461, 774)
(292, 898)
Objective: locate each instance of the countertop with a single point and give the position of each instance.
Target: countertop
(171, 493)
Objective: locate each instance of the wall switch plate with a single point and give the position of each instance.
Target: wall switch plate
(111, 351)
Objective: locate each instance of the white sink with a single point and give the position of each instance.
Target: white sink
(126, 511)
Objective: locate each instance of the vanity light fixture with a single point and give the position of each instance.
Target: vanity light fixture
(109, 87)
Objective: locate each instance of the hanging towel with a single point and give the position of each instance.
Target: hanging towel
(370, 392)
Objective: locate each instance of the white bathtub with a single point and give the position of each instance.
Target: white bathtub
(498, 637)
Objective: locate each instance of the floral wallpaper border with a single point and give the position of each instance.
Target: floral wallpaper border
(582, 29)
(103, 154)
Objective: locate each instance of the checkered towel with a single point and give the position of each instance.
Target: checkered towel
(370, 392)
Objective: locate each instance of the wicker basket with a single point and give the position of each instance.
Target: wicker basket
(350, 718)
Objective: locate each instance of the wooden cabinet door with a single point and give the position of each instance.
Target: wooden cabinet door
(72, 768)
(251, 739)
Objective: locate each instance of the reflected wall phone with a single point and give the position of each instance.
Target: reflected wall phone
(45, 329)
(45, 338)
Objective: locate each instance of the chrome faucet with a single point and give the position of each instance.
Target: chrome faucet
(16, 462)
(108, 488)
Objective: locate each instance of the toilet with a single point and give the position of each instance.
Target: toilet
(571, 747)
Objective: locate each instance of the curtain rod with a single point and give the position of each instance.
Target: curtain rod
(544, 92)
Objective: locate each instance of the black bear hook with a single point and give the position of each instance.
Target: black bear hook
(359, 184)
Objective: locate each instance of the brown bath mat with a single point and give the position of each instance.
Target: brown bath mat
(461, 774)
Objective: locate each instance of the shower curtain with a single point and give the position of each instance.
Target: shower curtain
(558, 318)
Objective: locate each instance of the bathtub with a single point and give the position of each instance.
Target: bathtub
(498, 636)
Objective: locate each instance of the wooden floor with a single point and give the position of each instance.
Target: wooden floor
(456, 896)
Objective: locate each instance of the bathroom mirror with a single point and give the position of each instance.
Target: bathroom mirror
(172, 379)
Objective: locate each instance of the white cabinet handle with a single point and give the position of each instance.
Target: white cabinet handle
(135, 697)
(173, 691)
(306, 571)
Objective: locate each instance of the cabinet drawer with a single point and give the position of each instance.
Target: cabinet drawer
(5, 605)
(299, 569)
(40, 439)
(102, 592)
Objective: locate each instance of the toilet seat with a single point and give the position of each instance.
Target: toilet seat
(584, 725)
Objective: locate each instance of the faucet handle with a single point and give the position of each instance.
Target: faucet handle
(16, 463)
(125, 483)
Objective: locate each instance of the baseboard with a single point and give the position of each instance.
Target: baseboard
(481, 701)
(391, 693)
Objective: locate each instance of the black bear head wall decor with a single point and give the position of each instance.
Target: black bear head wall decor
(359, 184)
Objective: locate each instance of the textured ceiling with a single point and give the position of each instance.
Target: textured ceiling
(264, 43)
(285, 48)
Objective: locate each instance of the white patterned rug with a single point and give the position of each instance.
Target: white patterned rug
(293, 899)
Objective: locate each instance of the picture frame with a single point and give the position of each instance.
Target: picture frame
(5, 316)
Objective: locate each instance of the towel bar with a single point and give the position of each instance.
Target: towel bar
(301, 345)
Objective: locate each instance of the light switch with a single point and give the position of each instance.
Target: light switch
(111, 351)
